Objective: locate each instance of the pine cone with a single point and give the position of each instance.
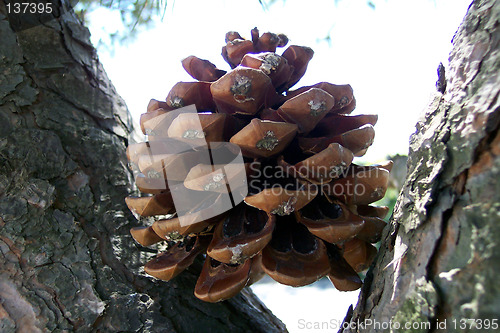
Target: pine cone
(267, 172)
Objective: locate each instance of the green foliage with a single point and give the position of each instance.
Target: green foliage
(266, 3)
(391, 195)
(136, 15)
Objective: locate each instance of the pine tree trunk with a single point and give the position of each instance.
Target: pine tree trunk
(438, 265)
(67, 260)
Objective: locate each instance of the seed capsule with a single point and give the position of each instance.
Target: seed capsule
(241, 235)
(169, 264)
(294, 257)
(298, 57)
(219, 281)
(264, 138)
(307, 109)
(187, 93)
(201, 70)
(244, 91)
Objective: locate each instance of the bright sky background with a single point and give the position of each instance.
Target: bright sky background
(389, 55)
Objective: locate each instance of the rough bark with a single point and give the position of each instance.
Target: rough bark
(439, 259)
(67, 261)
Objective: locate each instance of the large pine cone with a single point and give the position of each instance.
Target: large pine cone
(257, 177)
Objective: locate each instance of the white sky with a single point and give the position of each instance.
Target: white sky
(389, 55)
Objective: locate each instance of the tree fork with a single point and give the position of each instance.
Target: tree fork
(67, 260)
(436, 269)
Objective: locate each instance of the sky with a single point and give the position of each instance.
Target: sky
(389, 55)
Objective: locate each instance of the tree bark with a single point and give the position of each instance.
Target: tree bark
(438, 264)
(67, 260)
